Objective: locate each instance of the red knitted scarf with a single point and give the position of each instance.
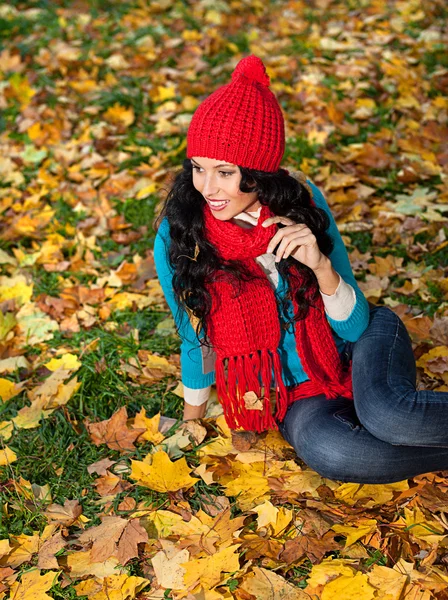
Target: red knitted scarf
(244, 329)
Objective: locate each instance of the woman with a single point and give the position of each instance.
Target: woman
(259, 282)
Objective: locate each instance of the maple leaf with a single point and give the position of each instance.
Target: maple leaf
(7, 456)
(378, 493)
(9, 389)
(113, 587)
(67, 361)
(357, 531)
(115, 537)
(207, 571)
(168, 568)
(46, 557)
(33, 585)
(267, 585)
(162, 475)
(114, 432)
(65, 515)
(150, 427)
(81, 564)
(23, 548)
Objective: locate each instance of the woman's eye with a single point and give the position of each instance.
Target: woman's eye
(225, 173)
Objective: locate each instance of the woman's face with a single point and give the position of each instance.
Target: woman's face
(219, 183)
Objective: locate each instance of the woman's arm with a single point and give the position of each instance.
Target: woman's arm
(197, 362)
(356, 321)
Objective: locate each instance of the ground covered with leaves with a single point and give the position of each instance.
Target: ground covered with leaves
(99, 498)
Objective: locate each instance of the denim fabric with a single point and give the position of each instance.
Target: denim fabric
(389, 431)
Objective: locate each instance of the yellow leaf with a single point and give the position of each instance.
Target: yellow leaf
(388, 581)
(113, 587)
(35, 325)
(349, 588)
(168, 569)
(7, 456)
(8, 389)
(29, 417)
(146, 191)
(434, 353)
(119, 115)
(7, 323)
(6, 429)
(163, 475)
(81, 564)
(24, 546)
(67, 361)
(207, 571)
(5, 548)
(65, 392)
(350, 493)
(152, 433)
(267, 585)
(124, 300)
(328, 569)
(356, 532)
(251, 486)
(267, 514)
(33, 586)
(21, 89)
(421, 527)
(15, 288)
(165, 93)
(9, 365)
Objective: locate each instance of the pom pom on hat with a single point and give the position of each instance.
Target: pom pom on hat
(240, 122)
(253, 68)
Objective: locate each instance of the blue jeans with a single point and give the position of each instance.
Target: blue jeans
(389, 431)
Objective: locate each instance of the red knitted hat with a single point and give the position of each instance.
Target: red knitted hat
(240, 122)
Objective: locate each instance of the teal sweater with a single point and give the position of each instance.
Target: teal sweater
(195, 372)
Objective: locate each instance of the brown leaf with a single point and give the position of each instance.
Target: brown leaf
(104, 537)
(64, 515)
(110, 484)
(46, 556)
(309, 546)
(257, 546)
(100, 466)
(114, 432)
(194, 430)
(133, 535)
(244, 440)
(439, 330)
(127, 504)
(252, 401)
(214, 505)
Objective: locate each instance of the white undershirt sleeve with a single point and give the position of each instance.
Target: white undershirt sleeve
(196, 397)
(339, 305)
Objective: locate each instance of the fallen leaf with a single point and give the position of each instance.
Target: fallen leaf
(33, 586)
(114, 432)
(267, 585)
(163, 475)
(169, 570)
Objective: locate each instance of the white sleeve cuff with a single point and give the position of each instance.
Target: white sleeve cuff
(339, 305)
(196, 397)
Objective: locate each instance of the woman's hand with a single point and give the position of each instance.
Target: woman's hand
(296, 240)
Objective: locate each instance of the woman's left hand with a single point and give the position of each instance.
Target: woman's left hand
(296, 240)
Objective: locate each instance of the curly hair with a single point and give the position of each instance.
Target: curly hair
(284, 194)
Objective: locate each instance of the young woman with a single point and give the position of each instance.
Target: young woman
(259, 282)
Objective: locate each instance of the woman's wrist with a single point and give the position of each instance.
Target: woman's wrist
(327, 278)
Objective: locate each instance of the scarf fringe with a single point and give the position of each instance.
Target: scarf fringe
(243, 375)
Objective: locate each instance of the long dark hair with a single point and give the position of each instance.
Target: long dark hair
(285, 195)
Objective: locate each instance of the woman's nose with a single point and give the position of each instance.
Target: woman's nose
(210, 188)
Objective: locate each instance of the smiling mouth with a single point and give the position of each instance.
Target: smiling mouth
(217, 203)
